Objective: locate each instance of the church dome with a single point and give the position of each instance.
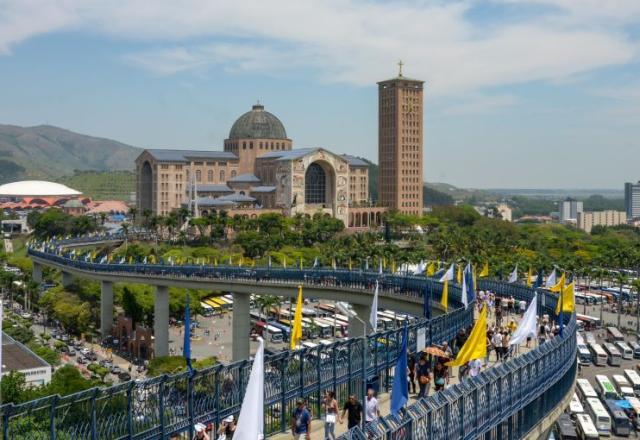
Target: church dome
(258, 124)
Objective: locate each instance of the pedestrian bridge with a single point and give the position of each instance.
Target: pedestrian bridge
(504, 402)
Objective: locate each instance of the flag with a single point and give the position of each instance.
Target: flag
(448, 275)
(431, 269)
(315, 263)
(529, 276)
(468, 286)
(333, 263)
(476, 345)
(186, 346)
(513, 277)
(103, 260)
(528, 324)
(373, 316)
(250, 424)
(380, 266)
(465, 288)
(144, 261)
(459, 275)
(284, 261)
(296, 331)
(559, 285)
(366, 263)
(445, 296)
(551, 279)
(400, 390)
(485, 271)
(350, 265)
(567, 299)
(393, 266)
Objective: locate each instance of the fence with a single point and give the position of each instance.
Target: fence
(156, 407)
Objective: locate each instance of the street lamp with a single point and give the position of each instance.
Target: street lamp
(346, 309)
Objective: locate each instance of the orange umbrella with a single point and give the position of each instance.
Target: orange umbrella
(435, 351)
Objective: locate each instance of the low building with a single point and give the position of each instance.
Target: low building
(18, 357)
(588, 219)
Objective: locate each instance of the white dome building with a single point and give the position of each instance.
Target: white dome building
(36, 188)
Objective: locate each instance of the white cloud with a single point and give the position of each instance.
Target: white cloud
(351, 41)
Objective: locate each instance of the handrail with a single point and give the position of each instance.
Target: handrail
(156, 407)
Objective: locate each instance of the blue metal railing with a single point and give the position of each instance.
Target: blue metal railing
(156, 407)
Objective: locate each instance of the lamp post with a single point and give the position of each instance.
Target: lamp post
(347, 310)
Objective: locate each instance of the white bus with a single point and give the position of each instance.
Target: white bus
(585, 389)
(275, 334)
(635, 406)
(600, 416)
(589, 338)
(584, 355)
(634, 379)
(585, 427)
(623, 386)
(579, 339)
(575, 407)
(625, 350)
(614, 356)
(614, 335)
(605, 387)
(599, 356)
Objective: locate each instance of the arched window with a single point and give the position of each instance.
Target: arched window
(233, 173)
(210, 176)
(315, 184)
(221, 175)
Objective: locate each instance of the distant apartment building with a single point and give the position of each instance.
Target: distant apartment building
(569, 210)
(588, 219)
(632, 200)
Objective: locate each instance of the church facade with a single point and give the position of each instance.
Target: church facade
(258, 171)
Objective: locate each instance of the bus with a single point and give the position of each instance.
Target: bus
(623, 386)
(614, 335)
(625, 350)
(207, 310)
(325, 330)
(580, 339)
(600, 416)
(575, 407)
(634, 379)
(605, 387)
(585, 389)
(565, 428)
(286, 331)
(636, 350)
(614, 356)
(619, 420)
(598, 355)
(584, 355)
(585, 427)
(635, 407)
(589, 338)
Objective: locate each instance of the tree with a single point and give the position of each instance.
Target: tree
(132, 308)
(12, 387)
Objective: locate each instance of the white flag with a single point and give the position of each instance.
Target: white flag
(420, 269)
(465, 300)
(527, 327)
(514, 275)
(380, 266)
(551, 279)
(373, 316)
(250, 424)
(448, 275)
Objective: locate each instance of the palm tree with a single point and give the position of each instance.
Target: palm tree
(133, 212)
(621, 278)
(636, 285)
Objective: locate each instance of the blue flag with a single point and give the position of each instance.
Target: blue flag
(539, 280)
(186, 346)
(400, 390)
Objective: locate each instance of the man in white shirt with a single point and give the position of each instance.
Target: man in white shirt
(371, 408)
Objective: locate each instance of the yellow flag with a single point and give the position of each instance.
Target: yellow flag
(475, 278)
(476, 345)
(445, 296)
(459, 275)
(485, 271)
(350, 265)
(529, 278)
(431, 269)
(130, 259)
(215, 261)
(393, 266)
(559, 285)
(567, 298)
(296, 331)
(284, 261)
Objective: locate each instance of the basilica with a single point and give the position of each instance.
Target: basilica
(258, 171)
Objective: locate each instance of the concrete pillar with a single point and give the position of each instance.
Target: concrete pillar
(241, 326)
(106, 308)
(161, 321)
(36, 273)
(356, 330)
(67, 279)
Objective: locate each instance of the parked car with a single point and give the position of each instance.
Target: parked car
(71, 352)
(124, 376)
(116, 370)
(81, 360)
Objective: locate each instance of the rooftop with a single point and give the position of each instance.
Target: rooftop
(41, 188)
(213, 188)
(163, 155)
(247, 177)
(263, 189)
(257, 124)
(355, 161)
(17, 357)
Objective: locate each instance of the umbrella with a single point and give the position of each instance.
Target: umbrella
(435, 351)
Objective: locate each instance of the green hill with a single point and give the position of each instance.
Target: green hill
(49, 153)
(103, 185)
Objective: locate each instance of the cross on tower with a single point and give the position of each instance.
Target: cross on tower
(400, 64)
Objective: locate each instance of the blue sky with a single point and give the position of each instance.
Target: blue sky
(518, 94)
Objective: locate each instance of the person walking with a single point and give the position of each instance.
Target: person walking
(330, 406)
(440, 376)
(411, 375)
(353, 409)
(371, 406)
(424, 378)
(301, 422)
